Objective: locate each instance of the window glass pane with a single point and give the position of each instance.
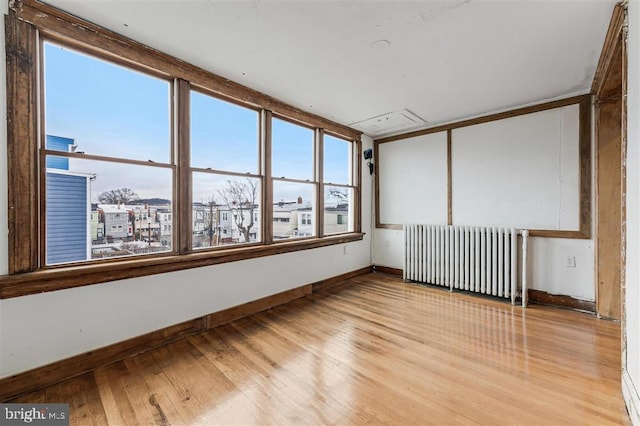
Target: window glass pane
(98, 209)
(293, 210)
(225, 210)
(338, 210)
(224, 136)
(292, 151)
(337, 160)
(104, 108)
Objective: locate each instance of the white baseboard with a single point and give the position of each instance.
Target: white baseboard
(631, 398)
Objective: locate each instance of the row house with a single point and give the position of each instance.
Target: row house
(215, 225)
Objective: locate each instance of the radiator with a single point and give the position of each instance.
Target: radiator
(477, 259)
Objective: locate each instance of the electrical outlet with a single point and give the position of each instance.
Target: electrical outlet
(387, 243)
(346, 249)
(571, 262)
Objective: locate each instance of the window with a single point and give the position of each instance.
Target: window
(135, 168)
(294, 180)
(119, 120)
(225, 169)
(306, 219)
(338, 185)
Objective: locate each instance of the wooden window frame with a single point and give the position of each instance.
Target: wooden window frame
(29, 21)
(170, 164)
(354, 179)
(315, 173)
(258, 174)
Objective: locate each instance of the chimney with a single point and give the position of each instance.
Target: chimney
(299, 200)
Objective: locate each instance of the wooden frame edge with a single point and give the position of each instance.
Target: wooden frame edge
(22, 145)
(329, 283)
(585, 165)
(376, 189)
(543, 298)
(379, 269)
(486, 118)
(58, 371)
(449, 178)
(613, 60)
(608, 47)
(181, 132)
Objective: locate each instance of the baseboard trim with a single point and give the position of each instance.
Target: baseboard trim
(544, 298)
(388, 270)
(631, 398)
(56, 372)
(334, 281)
(59, 371)
(231, 314)
(535, 296)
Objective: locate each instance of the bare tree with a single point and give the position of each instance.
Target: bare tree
(121, 195)
(212, 221)
(340, 195)
(241, 199)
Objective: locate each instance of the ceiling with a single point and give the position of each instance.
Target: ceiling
(380, 66)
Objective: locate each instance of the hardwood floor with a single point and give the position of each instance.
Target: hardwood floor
(375, 350)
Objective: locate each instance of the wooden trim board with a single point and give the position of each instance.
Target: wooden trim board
(387, 270)
(610, 131)
(543, 298)
(21, 57)
(486, 118)
(608, 48)
(29, 381)
(332, 282)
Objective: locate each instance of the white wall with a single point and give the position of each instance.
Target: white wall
(477, 176)
(46, 327)
(548, 270)
(631, 321)
(521, 171)
(547, 262)
(39, 329)
(414, 187)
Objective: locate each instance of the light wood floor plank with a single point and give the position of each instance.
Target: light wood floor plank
(373, 351)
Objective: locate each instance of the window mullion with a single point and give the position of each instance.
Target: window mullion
(182, 182)
(319, 139)
(22, 145)
(267, 182)
(356, 181)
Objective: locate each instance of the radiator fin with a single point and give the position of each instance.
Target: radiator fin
(471, 258)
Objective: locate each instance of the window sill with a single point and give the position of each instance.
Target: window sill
(77, 276)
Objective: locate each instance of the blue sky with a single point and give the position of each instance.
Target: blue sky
(113, 111)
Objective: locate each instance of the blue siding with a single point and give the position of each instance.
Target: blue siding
(67, 212)
(58, 143)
